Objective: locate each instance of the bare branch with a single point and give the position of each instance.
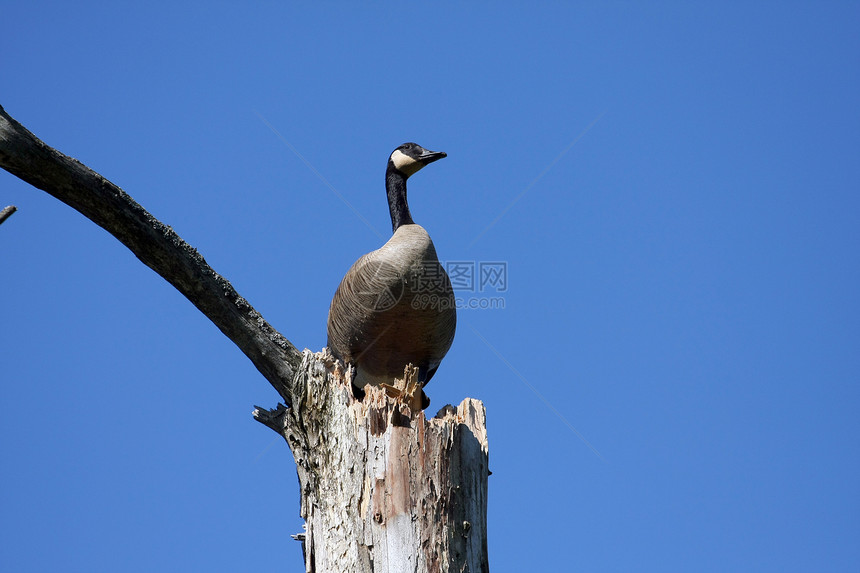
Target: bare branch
(7, 212)
(273, 419)
(155, 244)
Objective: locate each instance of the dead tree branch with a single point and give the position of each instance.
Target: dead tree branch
(22, 154)
(7, 212)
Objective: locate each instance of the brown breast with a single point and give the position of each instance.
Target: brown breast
(395, 306)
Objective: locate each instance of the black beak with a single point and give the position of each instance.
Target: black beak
(428, 156)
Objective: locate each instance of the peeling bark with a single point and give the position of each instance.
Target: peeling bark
(384, 489)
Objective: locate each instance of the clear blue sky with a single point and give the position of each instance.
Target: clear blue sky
(683, 276)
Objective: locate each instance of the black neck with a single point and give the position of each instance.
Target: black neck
(395, 186)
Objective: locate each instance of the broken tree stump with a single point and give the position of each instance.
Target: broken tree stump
(384, 489)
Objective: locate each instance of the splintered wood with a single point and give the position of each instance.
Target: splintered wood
(406, 390)
(383, 488)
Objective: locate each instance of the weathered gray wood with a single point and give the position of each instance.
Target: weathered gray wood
(383, 489)
(7, 212)
(22, 154)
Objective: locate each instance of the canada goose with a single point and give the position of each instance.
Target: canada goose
(395, 306)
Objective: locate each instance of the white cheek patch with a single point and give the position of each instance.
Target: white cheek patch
(404, 163)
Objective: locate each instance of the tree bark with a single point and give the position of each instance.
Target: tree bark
(7, 212)
(383, 489)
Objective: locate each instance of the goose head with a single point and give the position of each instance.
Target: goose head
(410, 157)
